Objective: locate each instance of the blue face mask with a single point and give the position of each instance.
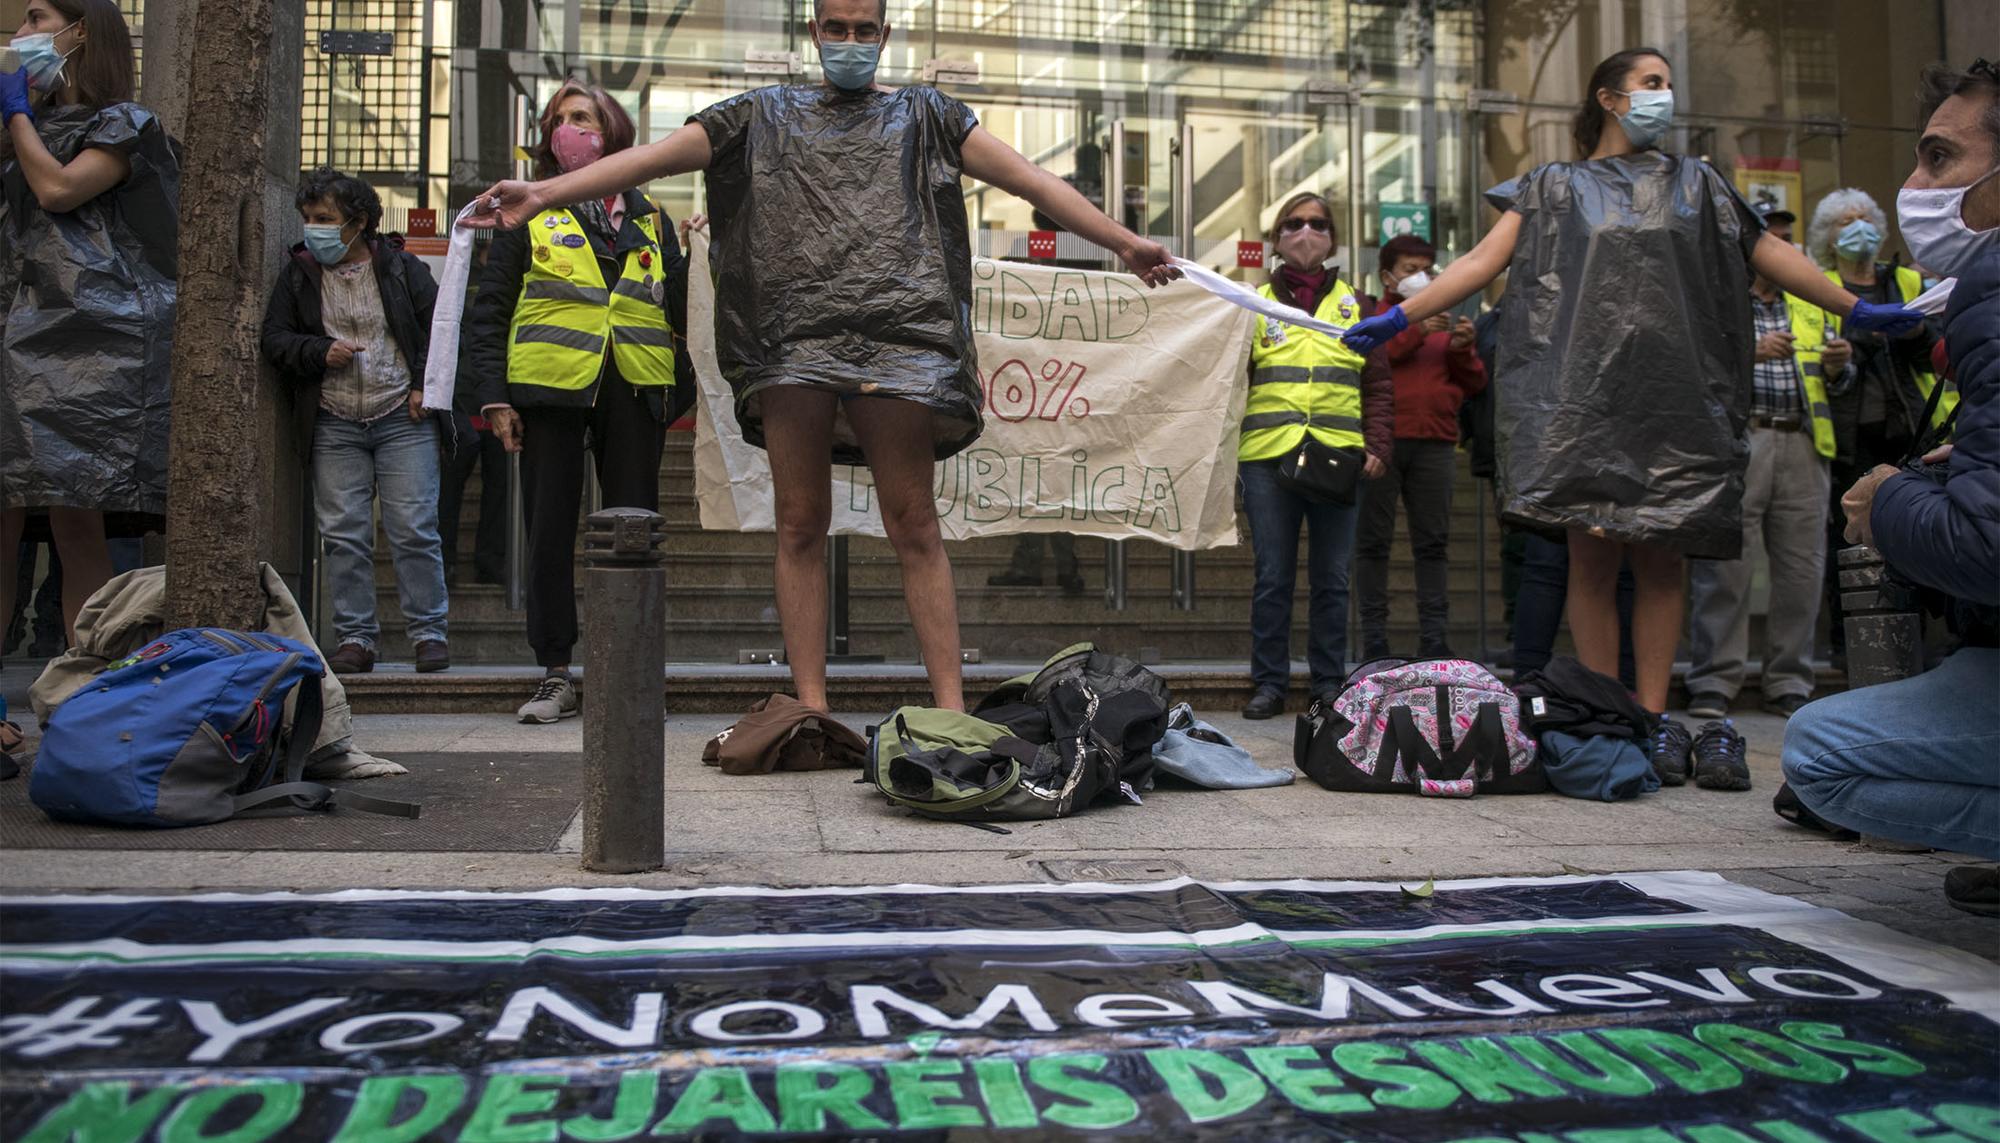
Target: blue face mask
(1858, 239)
(850, 67)
(326, 244)
(40, 60)
(1649, 120)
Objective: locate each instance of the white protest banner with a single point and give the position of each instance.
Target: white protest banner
(1111, 410)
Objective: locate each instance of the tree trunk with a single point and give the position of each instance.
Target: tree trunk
(219, 466)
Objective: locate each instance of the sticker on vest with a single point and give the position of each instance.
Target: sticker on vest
(659, 290)
(541, 254)
(550, 221)
(573, 241)
(1274, 333)
(562, 266)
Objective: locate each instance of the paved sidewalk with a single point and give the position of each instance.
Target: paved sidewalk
(822, 829)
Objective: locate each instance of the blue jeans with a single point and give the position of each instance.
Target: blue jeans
(1916, 760)
(396, 459)
(1275, 514)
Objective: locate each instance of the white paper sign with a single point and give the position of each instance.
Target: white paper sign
(441, 368)
(1238, 294)
(1111, 410)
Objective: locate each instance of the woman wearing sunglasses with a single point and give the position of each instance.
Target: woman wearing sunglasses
(1623, 372)
(1308, 394)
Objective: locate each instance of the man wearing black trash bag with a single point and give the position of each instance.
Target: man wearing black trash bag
(843, 271)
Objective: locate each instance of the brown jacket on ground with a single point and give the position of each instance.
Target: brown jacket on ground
(782, 733)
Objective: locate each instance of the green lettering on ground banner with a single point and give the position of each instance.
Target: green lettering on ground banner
(278, 1103)
(1417, 1089)
(1773, 1055)
(916, 1086)
(1602, 1070)
(1686, 1064)
(1317, 1088)
(1716, 1133)
(1007, 1101)
(103, 1113)
(717, 1093)
(1897, 1125)
(631, 1110)
(1785, 1131)
(1622, 1135)
(1098, 1104)
(1970, 1119)
(506, 1095)
(805, 1099)
(1485, 1070)
(1832, 1038)
(370, 1119)
(1187, 1072)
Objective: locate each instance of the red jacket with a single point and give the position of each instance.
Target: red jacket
(1431, 379)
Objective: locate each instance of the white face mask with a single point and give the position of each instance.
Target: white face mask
(1933, 224)
(1409, 286)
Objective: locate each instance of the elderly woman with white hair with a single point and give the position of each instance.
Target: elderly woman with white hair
(1878, 414)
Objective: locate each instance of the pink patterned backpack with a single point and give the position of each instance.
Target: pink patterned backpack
(1444, 728)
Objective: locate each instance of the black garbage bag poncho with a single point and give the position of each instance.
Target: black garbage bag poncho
(87, 322)
(841, 255)
(1626, 342)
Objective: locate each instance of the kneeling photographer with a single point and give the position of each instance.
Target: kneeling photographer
(1918, 760)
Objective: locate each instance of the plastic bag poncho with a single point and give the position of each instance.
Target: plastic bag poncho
(841, 253)
(87, 322)
(1626, 341)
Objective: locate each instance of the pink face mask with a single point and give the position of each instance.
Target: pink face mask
(575, 148)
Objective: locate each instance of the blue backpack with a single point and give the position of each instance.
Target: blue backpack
(189, 731)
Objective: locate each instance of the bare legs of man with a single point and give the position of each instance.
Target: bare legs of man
(1658, 605)
(86, 558)
(896, 437)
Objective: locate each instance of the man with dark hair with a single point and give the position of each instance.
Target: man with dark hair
(349, 324)
(1918, 760)
(1436, 368)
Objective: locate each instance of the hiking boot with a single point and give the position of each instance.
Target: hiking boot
(555, 699)
(1268, 702)
(1785, 706)
(433, 655)
(1974, 888)
(1720, 758)
(1708, 704)
(351, 659)
(1669, 749)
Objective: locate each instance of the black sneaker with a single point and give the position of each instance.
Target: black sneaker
(1268, 702)
(1974, 888)
(1785, 706)
(1720, 758)
(1669, 751)
(1708, 704)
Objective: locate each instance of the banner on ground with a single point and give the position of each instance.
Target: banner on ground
(1642, 1009)
(1111, 410)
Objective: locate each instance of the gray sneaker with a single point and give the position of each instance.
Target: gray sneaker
(555, 700)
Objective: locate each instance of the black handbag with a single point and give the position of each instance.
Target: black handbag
(1320, 472)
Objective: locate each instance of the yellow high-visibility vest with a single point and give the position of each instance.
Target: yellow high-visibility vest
(1808, 342)
(1303, 381)
(1909, 284)
(567, 319)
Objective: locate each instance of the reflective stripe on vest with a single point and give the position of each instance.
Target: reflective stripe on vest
(1909, 284)
(1303, 381)
(567, 318)
(1808, 341)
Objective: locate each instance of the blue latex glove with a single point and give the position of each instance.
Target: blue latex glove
(1892, 321)
(14, 96)
(1366, 337)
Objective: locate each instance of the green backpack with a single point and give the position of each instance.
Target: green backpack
(1079, 729)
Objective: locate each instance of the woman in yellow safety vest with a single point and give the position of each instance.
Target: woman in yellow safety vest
(1305, 383)
(570, 345)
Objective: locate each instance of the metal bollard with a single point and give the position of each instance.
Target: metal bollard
(1884, 629)
(624, 651)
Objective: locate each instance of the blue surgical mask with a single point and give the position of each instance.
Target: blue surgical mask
(326, 244)
(1649, 120)
(40, 60)
(850, 67)
(1858, 239)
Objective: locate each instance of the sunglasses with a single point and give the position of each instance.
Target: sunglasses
(1294, 225)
